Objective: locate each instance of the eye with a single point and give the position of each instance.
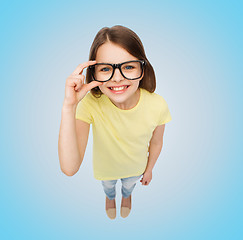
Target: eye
(104, 69)
(128, 67)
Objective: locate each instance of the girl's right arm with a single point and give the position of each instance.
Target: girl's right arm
(69, 150)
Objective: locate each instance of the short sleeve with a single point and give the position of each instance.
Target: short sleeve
(83, 110)
(164, 116)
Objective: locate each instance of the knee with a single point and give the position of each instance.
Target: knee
(108, 184)
(128, 185)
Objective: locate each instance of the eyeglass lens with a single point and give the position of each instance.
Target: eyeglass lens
(103, 72)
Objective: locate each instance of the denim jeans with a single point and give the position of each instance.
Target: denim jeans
(128, 184)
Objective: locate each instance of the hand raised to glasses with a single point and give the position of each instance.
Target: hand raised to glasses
(76, 89)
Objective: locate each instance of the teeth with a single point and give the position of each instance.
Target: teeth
(118, 89)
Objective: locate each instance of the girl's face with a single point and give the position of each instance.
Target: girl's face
(113, 53)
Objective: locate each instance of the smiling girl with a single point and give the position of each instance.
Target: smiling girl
(128, 119)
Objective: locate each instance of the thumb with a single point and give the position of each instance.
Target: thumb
(93, 84)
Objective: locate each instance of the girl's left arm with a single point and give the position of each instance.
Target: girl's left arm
(155, 147)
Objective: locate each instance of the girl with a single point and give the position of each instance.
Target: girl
(127, 117)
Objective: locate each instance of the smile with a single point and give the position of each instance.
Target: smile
(118, 89)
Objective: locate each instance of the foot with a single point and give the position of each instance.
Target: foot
(110, 206)
(127, 202)
(110, 203)
(126, 206)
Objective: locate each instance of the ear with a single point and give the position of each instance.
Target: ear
(142, 76)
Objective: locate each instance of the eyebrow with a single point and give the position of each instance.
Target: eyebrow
(118, 63)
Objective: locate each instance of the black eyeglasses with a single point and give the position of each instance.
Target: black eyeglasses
(103, 72)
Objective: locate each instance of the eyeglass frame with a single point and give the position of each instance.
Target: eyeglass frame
(118, 65)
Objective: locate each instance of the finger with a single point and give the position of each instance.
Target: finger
(76, 76)
(78, 82)
(93, 84)
(145, 182)
(82, 66)
(74, 79)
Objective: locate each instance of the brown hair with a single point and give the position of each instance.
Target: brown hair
(128, 40)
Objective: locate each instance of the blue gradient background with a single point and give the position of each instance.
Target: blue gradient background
(196, 192)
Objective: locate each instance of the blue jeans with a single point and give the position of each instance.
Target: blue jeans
(128, 184)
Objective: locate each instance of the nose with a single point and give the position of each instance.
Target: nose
(117, 75)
